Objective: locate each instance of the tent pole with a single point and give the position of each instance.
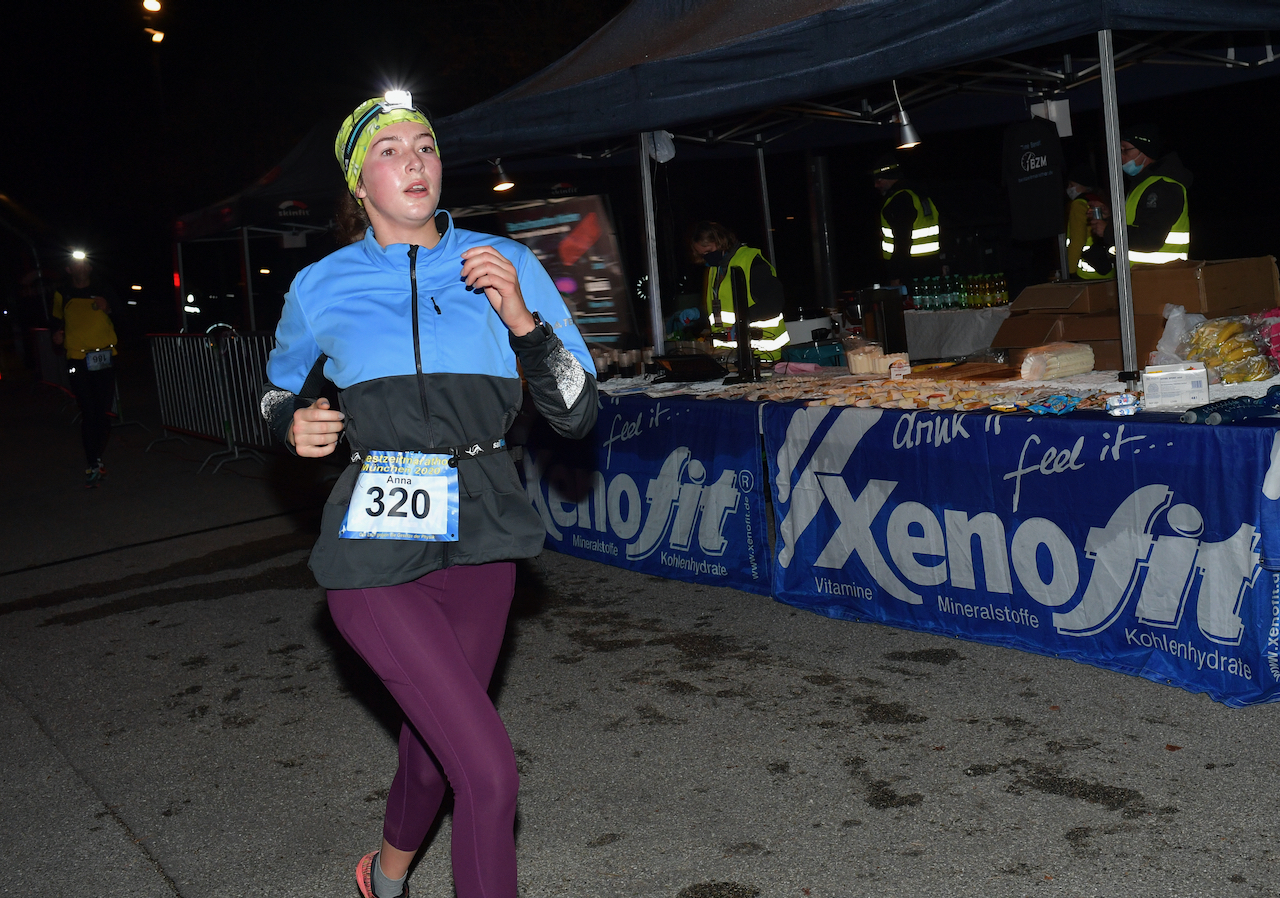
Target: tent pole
(764, 201)
(657, 325)
(248, 278)
(182, 285)
(820, 225)
(1124, 283)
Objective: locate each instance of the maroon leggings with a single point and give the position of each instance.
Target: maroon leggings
(434, 643)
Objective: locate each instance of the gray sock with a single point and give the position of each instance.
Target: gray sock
(383, 885)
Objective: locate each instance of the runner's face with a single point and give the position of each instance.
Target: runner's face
(400, 180)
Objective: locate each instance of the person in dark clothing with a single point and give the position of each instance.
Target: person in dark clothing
(909, 234)
(89, 338)
(1155, 211)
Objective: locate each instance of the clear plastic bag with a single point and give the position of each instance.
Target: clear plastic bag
(1172, 347)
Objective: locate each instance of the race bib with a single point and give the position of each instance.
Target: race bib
(98, 359)
(403, 495)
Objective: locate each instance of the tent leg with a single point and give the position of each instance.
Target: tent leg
(657, 324)
(820, 223)
(248, 278)
(764, 201)
(181, 286)
(1124, 283)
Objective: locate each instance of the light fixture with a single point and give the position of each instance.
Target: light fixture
(907, 136)
(264, 271)
(156, 36)
(135, 287)
(501, 181)
(195, 310)
(78, 255)
(151, 5)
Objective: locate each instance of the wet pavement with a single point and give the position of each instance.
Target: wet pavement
(178, 716)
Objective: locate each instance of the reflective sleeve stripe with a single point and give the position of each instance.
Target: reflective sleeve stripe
(1181, 238)
(1082, 264)
(771, 344)
(1157, 258)
(729, 318)
(763, 345)
(923, 249)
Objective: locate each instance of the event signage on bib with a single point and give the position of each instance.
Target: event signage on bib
(1105, 542)
(403, 495)
(673, 488)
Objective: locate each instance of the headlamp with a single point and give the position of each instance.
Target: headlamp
(392, 99)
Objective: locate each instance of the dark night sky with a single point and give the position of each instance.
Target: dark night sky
(110, 136)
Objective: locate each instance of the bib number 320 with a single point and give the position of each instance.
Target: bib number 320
(403, 495)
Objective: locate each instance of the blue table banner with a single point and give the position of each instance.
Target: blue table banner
(1142, 546)
(670, 487)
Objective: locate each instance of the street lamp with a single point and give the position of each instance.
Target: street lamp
(151, 5)
(156, 36)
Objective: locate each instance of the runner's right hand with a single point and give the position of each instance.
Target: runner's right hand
(315, 429)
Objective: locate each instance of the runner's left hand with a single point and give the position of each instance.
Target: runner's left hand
(488, 269)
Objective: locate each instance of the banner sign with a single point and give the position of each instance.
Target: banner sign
(1143, 547)
(670, 487)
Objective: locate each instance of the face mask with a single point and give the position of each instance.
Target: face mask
(1131, 168)
(713, 259)
(1073, 192)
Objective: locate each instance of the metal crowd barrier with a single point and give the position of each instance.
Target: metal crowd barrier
(208, 387)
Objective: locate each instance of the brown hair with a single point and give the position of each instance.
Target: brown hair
(715, 232)
(352, 220)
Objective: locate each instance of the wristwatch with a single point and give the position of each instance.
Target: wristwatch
(540, 325)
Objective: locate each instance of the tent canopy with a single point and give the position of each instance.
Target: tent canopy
(660, 64)
(298, 194)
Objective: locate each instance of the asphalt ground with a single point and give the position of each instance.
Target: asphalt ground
(178, 717)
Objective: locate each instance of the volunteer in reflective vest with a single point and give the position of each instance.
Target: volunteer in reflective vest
(1080, 189)
(1155, 212)
(728, 261)
(909, 236)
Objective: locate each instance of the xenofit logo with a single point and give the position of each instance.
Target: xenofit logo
(684, 506)
(1150, 554)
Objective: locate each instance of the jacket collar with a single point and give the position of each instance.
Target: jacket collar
(396, 256)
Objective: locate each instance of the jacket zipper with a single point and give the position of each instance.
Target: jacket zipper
(417, 346)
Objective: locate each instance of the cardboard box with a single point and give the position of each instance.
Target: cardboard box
(1101, 331)
(1034, 329)
(1067, 298)
(1215, 289)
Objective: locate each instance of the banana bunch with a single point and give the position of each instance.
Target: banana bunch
(1257, 367)
(1222, 341)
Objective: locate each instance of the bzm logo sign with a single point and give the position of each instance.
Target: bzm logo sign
(681, 505)
(1150, 549)
(1034, 161)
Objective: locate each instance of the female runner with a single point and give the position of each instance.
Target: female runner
(420, 325)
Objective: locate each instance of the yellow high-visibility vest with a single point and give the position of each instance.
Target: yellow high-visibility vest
(774, 331)
(1178, 242)
(924, 230)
